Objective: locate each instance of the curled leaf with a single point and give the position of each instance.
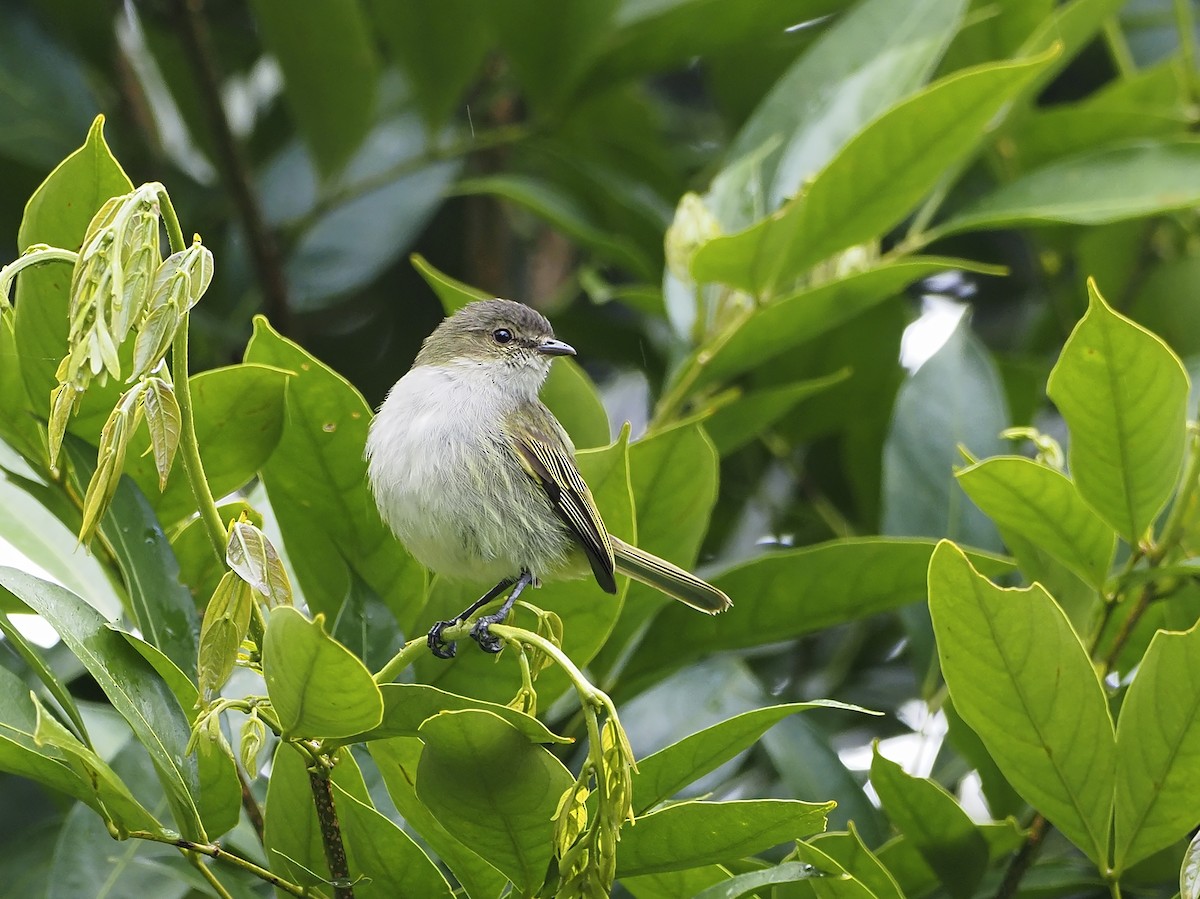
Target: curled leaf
(226, 621)
(251, 555)
(154, 338)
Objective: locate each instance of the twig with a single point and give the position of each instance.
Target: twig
(331, 831)
(250, 804)
(218, 887)
(1024, 858)
(214, 851)
(263, 249)
(408, 654)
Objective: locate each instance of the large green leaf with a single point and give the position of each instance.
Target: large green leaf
(330, 69)
(849, 851)
(661, 775)
(934, 823)
(494, 790)
(319, 689)
(691, 834)
(316, 480)
(1051, 736)
(783, 594)
(868, 59)
(1043, 506)
(1107, 185)
(1123, 394)
(131, 685)
(872, 183)
(397, 760)
(238, 412)
(1158, 749)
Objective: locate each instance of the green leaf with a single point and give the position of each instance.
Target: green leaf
(954, 398)
(573, 399)
(397, 760)
(505, 817)
(57, 689)
(452, 293)
(849, 851)
(690, 834)
(162, 607)
(1123, 394)
(744, 884)
(837, 882)
(251, 557)
(131, 685)
(226, 622)
(664, 773)
(162, 418)
(868, 59)
(1189, 871)
(934, 823)
(440, 46)
(291, 833)
(318, 687)
(1158, 749)
(1042, 505)
(1109, 185)
(872, 183)
(317, 484)
(238, 411)
(1051, 737)
(792, 592)
(387, 859)
(58, 214)
(739, 421)
(34, 745)
(330, 72)
(672, 884)
(407, 706)
(789, 321)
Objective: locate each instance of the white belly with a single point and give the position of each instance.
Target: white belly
(443, 477)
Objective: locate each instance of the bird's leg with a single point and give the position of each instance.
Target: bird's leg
(480, 633)
(440, 647)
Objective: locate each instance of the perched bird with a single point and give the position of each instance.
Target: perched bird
(477, 477)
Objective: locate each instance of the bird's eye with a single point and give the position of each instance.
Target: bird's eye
(502, 335)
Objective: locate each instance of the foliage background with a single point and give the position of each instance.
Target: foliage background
(539, 151)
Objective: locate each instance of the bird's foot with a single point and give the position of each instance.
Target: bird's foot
(443, 649)
(481, 634)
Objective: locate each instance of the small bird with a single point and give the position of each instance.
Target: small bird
(477, 478)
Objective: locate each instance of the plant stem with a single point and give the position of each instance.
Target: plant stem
(189, 449)
(214, 851)
(263, 250)
(408, 653)
(1118, 48)
(1024, 858)
(1186, 26)
(331, 831)
(250, 804)
(208, 875)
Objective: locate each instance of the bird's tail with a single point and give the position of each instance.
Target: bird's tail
(670, 579)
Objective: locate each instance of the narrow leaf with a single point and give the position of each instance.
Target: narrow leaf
(163, 421)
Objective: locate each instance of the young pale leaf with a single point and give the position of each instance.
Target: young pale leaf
(1123, 393)
(164, 423)
(664, 773)
(114, 439)
(934, 823)
(131, 685)
(700, 833)
(753, 881)
(226, 621)
(507, 818)
(253, 558)
(1189, 871)
(1042, 505)
(872, 183)
(1158, 749)
(318, 687)
(154, 338)
(1052, 737)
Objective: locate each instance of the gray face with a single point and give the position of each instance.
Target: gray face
(494, 331)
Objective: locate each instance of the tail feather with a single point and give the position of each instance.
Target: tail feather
(670, 579)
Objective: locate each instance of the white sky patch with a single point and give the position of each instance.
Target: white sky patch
(924, 337)
(32, 627)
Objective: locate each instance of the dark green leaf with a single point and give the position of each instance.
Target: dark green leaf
(934, 823)
(742, 884)
(330, 70)
(740, 420)
(837, 882)
(1124, 395)
(849, 851)
(1052, 737)
(452, 293)
(701, 833)
(573, 399)
(318, 687)
(505, 818)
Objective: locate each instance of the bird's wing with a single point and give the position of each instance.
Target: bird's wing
(547, 458)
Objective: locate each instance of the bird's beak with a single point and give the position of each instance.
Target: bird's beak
(552, 347)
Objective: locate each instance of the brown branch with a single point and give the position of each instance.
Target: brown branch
(1024, 858)
(250, 804)
(331, 831)
(263, 250)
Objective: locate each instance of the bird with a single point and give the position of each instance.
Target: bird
(477, 478)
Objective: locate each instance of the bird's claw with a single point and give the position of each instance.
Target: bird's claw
(484, 637)
(441, 648)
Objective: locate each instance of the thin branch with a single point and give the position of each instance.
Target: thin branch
(218, 887)
(1024, 858)
(250, 804)
(214, 851)
(331, 832)
(263, 249)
